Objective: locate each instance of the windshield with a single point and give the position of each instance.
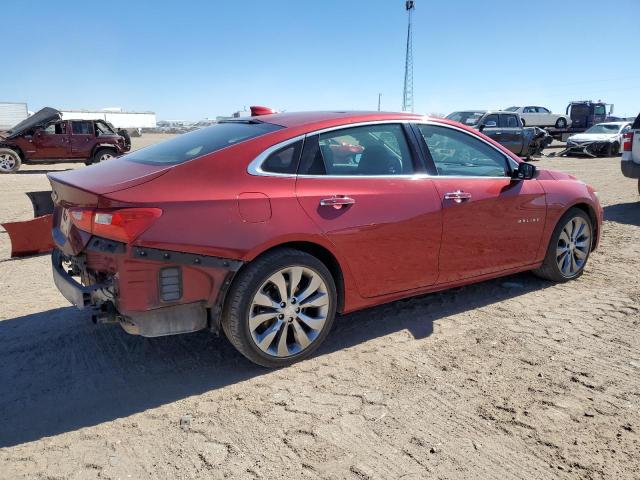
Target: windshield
(468, 118)
(200, 142)
(604, 128)
(511, 109)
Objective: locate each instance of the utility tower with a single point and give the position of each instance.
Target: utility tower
(407, 94)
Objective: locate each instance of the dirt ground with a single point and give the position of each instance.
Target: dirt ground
(511, 378)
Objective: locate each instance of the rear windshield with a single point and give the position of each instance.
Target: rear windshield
(200, 142)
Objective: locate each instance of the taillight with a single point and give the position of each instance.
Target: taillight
(627, 141)
(125, 224)
(82, 218)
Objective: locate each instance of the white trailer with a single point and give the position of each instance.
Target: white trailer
(12, 113)
(131, 121)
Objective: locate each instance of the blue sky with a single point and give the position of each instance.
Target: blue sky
(190, 60)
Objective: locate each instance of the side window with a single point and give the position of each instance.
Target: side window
(509, 121)
(284, 160)
(55, 129)
(81, 128)
(600, 110)
(368, 150)
(492, 118)
(456, 153)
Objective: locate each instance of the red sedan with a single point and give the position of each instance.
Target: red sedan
(254, 227)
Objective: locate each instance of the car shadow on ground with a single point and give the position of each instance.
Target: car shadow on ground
(627, 213)
(60, 373)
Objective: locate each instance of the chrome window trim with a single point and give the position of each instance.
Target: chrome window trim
(255, 167)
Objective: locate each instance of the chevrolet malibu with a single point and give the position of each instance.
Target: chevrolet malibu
(257, 228)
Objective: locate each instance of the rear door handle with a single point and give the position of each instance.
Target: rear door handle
(458, 196)
(337, 201)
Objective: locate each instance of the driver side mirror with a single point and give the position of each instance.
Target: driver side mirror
(525, 171)
(489, 124)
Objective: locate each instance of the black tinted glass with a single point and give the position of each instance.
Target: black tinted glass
(284, 160)
(200, 142)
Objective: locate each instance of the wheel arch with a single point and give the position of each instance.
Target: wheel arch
(15, 148)
(591, 212)
(103, 146)
(323, 254)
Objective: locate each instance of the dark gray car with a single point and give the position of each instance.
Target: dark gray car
(505, 128)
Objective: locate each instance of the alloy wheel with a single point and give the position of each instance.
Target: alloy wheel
(105, 156)
(7, 162)
(289, 311)
(573, 246)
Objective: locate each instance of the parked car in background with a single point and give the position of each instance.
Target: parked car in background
(541, 117)
(505, 128)
(45, 138)
(630, 163)
(603, 139)
(254, 226)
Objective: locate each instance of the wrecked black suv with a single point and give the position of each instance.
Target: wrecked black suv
(45, 137)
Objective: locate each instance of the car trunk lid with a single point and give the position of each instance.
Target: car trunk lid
(109, 176)
(83, 188)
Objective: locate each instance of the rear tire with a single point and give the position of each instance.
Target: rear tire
(9, 161)
(280, 308)
(561, 123)
(101, 155)
(569, 247)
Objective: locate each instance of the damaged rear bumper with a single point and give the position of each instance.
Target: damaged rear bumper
(149, 292)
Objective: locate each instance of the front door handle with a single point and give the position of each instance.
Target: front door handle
(337, 201)
(458, 196)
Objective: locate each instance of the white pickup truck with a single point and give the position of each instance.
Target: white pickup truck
(630, 163)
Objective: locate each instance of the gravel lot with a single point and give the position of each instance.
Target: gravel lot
(511, 378)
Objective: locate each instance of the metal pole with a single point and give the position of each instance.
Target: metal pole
(407, 95)
(379, 98)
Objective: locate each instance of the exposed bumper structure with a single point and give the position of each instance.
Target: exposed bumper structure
(150, 292)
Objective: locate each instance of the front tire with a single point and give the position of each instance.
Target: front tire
(9, 161)
(280, 308)
(613, 150)
(569, 248)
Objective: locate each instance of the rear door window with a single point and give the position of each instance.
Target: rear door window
(509, 121)
(81, 128)
(200, 142)
(373, 150)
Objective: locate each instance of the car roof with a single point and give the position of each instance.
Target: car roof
(331, 118)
